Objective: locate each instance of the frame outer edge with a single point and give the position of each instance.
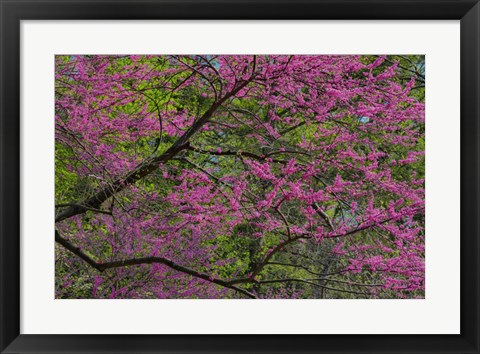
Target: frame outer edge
(470, 176)
(10, 14)
(9, 175)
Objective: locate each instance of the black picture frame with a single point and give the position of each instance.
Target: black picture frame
(13, 11)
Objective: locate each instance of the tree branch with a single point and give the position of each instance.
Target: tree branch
(311, 283)
(83, 206)
(148, 166)
(146, 260)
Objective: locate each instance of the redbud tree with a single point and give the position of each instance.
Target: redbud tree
(239, 176)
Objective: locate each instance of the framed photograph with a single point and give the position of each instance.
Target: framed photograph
(237, 176)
